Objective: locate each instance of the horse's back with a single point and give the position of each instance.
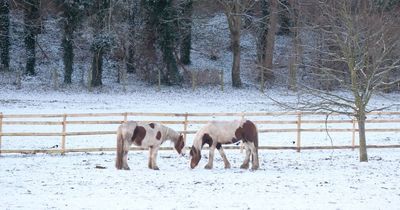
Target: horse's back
(126, 129)
(127, 126)
(225, 128)
(222, 131)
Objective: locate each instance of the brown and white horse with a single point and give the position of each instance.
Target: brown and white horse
(216, 133)
(144, 135)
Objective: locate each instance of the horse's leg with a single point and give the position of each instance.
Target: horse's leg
(245, 164)
(210, 158)
(222, 153)
(254, 157)
(127, 145)
(150, 164)
(154, 158)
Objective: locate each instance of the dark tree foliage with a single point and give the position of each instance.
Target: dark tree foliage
(164, 16)
(284, 18)
(5, 34)
(149, 67)
(131, 41)
(32, 29)
(72, 15)
(387, 5)
(186, 30)
(102, 41)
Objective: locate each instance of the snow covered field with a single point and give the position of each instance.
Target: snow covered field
(287, 180)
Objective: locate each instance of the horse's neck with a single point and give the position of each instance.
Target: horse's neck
(170, 134)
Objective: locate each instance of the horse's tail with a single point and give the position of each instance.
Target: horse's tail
(255, 135)
(120, 148)
(256, 139)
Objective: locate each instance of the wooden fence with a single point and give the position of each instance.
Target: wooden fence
(183, 119)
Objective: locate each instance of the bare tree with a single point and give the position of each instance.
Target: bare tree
(295, 57)
(267, 59)
(360, 39)
(234, 11)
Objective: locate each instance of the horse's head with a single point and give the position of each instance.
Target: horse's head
(180, 144)
(195, 155)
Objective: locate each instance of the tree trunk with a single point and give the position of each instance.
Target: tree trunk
(236, 81)
(173, 76)
(186, 43)
(296, 46)
(68, 56)
(5, 34)
(148, 66)
(269, 50)
(30, 43)
(97, 69)
(235, 24)
(362, 137)
(262, 42)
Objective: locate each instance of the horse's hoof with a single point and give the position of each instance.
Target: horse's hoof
(156, 168)
(254, 167)
(126, 168)
(208, 167)
(227, 166)
(244, 166)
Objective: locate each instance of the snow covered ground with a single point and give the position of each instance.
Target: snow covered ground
(286, 180)
(311, 179)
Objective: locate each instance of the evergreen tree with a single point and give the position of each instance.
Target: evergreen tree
(102, 41)
(72, 15)
(131, 40)
(5, 34)
(163, 16)
(32, 29)
(285, 21)
(186, 30)
(167, 40)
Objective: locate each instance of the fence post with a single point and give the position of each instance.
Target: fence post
(185, 127)
(64, 129)
(1, 128)
(126, 117)
(353, 138)
(298, 131)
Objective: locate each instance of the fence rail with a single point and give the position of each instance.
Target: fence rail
(64, 120)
